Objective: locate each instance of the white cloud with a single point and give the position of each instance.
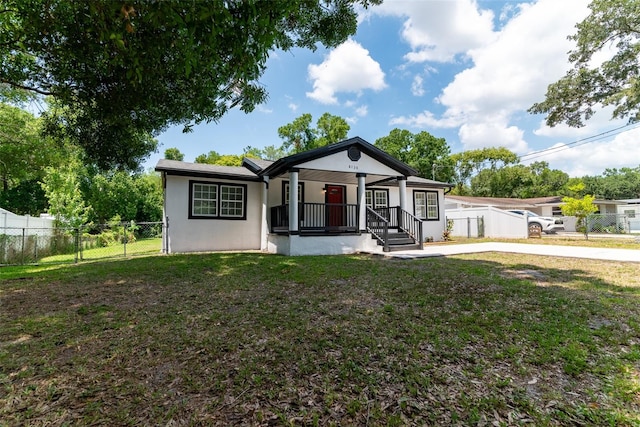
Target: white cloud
(293, 107)
(510, 71)
(439, 30)
(514, 71)
(592, 158)
(263, 109)
(348, 68)
(427, 119)
(362, 111)
(600, 120)
(417, 87)
(479, 135)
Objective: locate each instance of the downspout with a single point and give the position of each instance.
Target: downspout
(165, 218)
(264, 229)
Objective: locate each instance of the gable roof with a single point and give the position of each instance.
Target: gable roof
(286, 163)
(500, 202)
(253, 169)
(511, 203)
(256, 165)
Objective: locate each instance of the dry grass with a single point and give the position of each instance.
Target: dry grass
(252, 339)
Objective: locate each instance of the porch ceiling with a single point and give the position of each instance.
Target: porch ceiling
(335, 177)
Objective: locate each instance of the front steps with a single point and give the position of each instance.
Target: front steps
(400, 241)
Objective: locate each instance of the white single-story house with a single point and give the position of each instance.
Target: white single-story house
(631, 209)
(543, 206)
(351, 196)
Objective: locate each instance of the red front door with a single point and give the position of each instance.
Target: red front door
(335, 200)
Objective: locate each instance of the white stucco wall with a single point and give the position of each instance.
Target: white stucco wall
(497, 222)
(320, 245)
(340, 162)
(201, 235)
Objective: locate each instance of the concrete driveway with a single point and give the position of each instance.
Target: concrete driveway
(626, 255)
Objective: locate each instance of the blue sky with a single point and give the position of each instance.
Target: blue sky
(463, 70)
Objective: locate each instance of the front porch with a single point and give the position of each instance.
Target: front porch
(390, 227)
(317, 219)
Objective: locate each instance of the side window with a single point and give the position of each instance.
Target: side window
(231, 201)
(204, 200)
(426, 205)
(376, 199)
(213, 200)
(381, 198)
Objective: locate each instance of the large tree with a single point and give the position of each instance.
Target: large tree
(424, 152)
(299, 136)
(520, 181)
(131, 197)
(173, 154)
(24, 154)
(468, 164)
(214, 158)
(121, 68)
(592, 83)
(623, 183)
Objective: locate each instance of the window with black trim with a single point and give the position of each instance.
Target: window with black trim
(425, 205)
(214, 200)
(376, 199)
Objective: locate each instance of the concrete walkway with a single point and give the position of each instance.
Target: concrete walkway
(627, 255)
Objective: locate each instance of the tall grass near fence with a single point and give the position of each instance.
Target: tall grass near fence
(63, 245)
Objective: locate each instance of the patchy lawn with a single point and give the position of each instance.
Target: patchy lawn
(253, 339)
(597, 241)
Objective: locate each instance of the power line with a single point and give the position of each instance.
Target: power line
(579, 142)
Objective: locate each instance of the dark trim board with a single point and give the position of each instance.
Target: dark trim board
(287, 163)
(229, 177)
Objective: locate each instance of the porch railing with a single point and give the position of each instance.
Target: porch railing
(390, 214)
(402, 220)
(410, 224)
(318, 217)
(378, 226)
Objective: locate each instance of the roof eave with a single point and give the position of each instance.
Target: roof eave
(286, 163)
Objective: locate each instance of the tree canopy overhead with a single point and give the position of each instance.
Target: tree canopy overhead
(118, 69)
(299, 136)
(611, 24)
(424, 152)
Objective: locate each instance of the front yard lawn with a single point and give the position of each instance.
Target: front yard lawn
(255, 339)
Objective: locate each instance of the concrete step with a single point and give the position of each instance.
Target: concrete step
(395, 248)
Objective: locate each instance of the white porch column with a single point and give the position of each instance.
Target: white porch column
(402, 187)
(362, 203)
(293, 201)
(264, 228)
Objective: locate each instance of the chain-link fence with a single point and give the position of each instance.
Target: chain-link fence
(65, 245)
(602, 224)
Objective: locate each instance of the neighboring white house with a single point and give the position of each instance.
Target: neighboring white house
(631, 208)
(351, 197)
(543, 206)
